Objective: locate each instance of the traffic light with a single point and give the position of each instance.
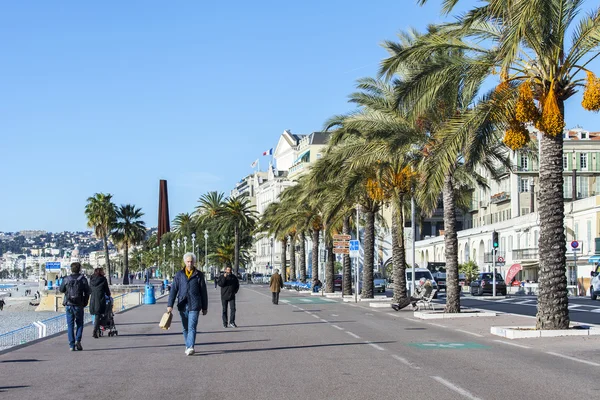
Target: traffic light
(495, 240)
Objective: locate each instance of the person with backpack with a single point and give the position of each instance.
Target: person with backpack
(77, 294)
(189, 288)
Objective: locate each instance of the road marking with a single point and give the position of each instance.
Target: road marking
(413, 319)
(323, 320)
(316, 316)
(375, 346)
(523, 302)
(572, 306)
(469, 333)
(334, 315)
(352, 305)
(439, 325)
(299, 308)
(457, 389)
(573, 359)
(308, 312)
(337, 327)
(513, 344)
(353, 335)
(405, 361)
(306, 300)
(392, 314)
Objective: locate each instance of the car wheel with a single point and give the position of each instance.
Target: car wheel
(503, 293)
(592, 295)
(473, 292)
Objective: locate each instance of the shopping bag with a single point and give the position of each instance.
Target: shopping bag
(165, 321)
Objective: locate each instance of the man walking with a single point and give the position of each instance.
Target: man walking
(1, 304)
(229, 287)
(189, 287)
(77, 294)
(276, 284)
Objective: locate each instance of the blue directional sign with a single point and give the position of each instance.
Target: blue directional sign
(354, 245)
(53, 266)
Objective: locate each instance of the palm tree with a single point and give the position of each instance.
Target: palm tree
(526, 41)
(101, 215)
(129, 231)
(184, 225)
(241, 215)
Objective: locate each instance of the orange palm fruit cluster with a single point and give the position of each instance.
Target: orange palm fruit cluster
(591, 94)
(374, 190)
(525, 109)
(516, 136)
(553, 121)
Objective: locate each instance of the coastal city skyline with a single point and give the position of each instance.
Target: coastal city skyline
(125, 99)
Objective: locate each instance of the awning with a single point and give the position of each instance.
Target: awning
(595, 259)
(301, 155)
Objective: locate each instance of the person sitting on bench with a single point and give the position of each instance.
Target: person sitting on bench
(422, 291)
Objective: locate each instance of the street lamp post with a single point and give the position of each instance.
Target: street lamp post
(178, 248)
(193, 243)
(185, 244)
(206, 252)
(164, 249)
(172, 258)
(271, 265)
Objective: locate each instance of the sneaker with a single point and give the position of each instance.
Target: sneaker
(233, 325)
(395, 307)
(78, 346)
(224, 325)
(189, 351)
(72, 348)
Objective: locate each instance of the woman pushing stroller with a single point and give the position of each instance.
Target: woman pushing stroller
(99, 289)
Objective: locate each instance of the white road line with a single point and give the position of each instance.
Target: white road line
(352, 305)
(405, 361)
(323, 320)
(573, 359)
(316, 316)
(308, 312)
(353, 335)
(300, 308)
(469, 333)
(337, 327)
(523, 302)
(513, 344)
(375, 346)
(457, 389)
(439, 325)
(392, 314)
(334, 315)
(572, 306)
(413, 319)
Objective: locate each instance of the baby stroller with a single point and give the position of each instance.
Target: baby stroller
(107, 320)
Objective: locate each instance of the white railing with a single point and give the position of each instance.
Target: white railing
(50, 326)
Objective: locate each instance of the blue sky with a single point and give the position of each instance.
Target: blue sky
(113, 96)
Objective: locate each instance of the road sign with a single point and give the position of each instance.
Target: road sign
(53, 266)
(574, 244)
(354, 248)
(341, 250)
(500, 259)
(342, 237)
(341, 244)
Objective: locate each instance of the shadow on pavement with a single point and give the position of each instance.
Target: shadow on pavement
(295, 323)
(25, 360)
(179, 345)
(5, 388)
(138, 323)
(315, 346)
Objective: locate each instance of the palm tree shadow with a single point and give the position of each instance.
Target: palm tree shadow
(313, 346)
(295, 323)
(6, 388)
(178, 345)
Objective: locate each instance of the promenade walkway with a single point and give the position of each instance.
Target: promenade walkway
(308, 347)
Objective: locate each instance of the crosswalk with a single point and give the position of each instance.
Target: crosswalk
(531, 301)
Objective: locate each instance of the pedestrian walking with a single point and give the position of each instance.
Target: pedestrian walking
(216, 280)
(99, 290)
(276, 284)
(189, 288)
(2, 302)
(77, 294)
(229, 287)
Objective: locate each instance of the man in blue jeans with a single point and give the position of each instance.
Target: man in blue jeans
(189, 288)
(77, 294)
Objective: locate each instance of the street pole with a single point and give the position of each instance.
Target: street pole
(164, 246)
(185, 244)
(413, 228)
(271, 265)
(357, 267)
(194, 243)
(206, 252)
(172, 259)
(494, 272)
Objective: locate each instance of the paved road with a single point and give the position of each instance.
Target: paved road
(307, 347)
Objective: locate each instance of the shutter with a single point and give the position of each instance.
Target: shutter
(518, 161)
(597, 162)
(578, 160)
(569, 162)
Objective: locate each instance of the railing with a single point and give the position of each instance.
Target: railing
(58, 323)
(526, 254)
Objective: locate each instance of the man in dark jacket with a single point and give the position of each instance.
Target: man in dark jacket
(77, 294)
(99, 291)
(229, 287)
(189, 288)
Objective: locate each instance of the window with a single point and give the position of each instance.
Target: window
(584, 135)
(582, 187)
(502, 244)
(565, 162)
(597, 188)
(583, 158)
(524, 162)
(589, 233)
(510, 243)
(319, 155)
(568, 187)
(523, 185)
(524, 211)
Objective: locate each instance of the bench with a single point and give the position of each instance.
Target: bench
(426, 302)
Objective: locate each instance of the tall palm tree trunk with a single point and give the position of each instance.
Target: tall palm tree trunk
(552, 312)
(302, 261)
(315, 254)
(451, 247)
(347, 268)
(105, 240)
(284, 242)
(126, 273)
(398, 253)
(329, 268)
(236, 250)
(369, 243)
(293, 257)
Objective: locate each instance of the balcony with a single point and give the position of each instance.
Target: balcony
(499, 197)
(483, 204)
(526, 254)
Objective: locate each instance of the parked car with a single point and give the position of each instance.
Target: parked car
(379, 282)
(420, 273)
(337, 283)
(595, 284)
(484, 284)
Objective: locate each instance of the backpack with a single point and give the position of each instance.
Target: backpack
(74, 293)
